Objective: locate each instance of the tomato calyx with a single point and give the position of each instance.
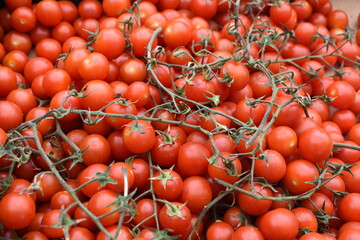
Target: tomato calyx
(214, 98)
(135, 127)
(65, 222)
(165, 175)
(162, 235)
(125, 204)
(91, 38)
(167, 138)
(103, 178)
(173, 210)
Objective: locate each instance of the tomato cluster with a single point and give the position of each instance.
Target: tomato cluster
(179, 119)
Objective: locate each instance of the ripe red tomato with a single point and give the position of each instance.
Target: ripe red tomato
(298, 181)
(175, 217)
(116, 173)
(226, 168)
(315, 144)
(124, 233)
(48, 48)
(270, 165)
(134, 69)
(62, 200)
(73, 61)
(23, 98)
(121, 106)
(199, 89)
(81, 233)
(35, 235)
(219, 230)
(110, 37)
(89, 173)
(198, 6)
(16, 210)
(306, 218)
(113, 8)
(101, 203)
(176, 34)
(167, 184)
(247, 232)
(280, 13)
(348, 208)
(139, 93)
(192, 160)
(350, 234)
(50, 219)
(61, 100)
(139, 136)
(97, 94)
(237, 72)
(145, 211)
(312, 236)
(97, 149)
(282, 139)
(279, 224)
(93, 61)
(48, 13)
(342, 94)
(319, 201)
(246, 112)
(251, 205)
(55, 81)
(8, 81)
(196, 193)
(139, 39)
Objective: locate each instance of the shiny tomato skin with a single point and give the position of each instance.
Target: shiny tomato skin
(219, 231)
(315, 144)
(97, 94)
(251, 205)
(177, 223)
(199, 89)
(116, 173)
(87, 174)
(93, 61)
(196, 193)
(99, 204)
(247, 232)
(8, 81)
(48, 13)
(110, 37)
(295, 180)
(283, 139)
(192, 160)
(350, 234)
(279, 224)
(349, 208)
(139, 140)
(144, 210)
(49, 185)
(272, 167)
(124, 233)
(168, 184)
(176, 34)
(50, 219)
(343, 94)
(226, 168)
(121, 107)
(165, 153)
(17, 210)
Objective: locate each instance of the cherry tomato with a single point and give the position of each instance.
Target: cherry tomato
(16, 210)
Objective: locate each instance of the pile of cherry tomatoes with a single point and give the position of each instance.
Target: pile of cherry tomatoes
(179, 119)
